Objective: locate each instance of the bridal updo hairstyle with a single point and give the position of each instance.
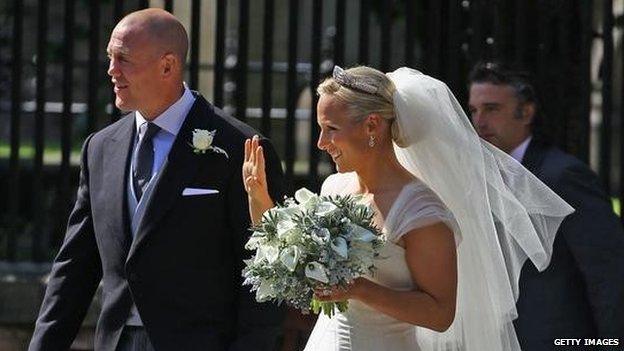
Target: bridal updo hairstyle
(360, 103)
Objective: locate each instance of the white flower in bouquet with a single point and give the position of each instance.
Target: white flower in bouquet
(316, 271)
(340, 246)
(290, 257)
(310, 242)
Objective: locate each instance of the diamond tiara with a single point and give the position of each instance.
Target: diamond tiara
(360, 84)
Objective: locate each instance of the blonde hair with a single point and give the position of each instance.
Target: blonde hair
(360, 104)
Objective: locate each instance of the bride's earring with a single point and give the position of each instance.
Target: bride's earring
(371, 141)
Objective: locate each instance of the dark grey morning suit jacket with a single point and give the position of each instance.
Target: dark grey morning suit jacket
(183, 269)
(581, 293)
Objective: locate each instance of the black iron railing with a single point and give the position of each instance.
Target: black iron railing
(443, 38)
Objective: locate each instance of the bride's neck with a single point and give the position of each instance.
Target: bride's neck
(383, 172)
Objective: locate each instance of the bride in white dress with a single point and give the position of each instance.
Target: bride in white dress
(415, 215)
(460, 217)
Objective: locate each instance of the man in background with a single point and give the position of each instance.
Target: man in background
(581, 293)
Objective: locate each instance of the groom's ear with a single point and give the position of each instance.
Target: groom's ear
(169, 62)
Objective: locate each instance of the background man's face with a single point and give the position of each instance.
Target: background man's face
(496, 116)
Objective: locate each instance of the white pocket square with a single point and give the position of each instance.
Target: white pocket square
(198, 191)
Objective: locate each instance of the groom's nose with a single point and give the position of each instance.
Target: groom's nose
(113, 70)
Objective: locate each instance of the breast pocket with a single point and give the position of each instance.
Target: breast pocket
(202, 205)
(199, 191)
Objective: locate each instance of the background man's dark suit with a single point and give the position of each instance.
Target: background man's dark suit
(183, 270)
(581, 293)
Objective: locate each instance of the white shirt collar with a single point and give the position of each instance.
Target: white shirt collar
(520, 150)
(172, 118)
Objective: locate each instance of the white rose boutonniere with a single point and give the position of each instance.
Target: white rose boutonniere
(202, 142)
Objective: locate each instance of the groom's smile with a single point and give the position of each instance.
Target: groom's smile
(136, 70)
(118, 87)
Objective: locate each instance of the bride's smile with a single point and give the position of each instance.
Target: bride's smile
(341, 137)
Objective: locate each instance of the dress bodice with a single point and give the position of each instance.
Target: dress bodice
(362, 327)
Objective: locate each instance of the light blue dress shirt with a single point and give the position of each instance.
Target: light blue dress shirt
(170, 122)
(520, 150)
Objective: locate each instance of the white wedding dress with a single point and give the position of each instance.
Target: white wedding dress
(362, 328)
(504, 213)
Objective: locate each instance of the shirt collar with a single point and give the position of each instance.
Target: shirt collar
(172, 118)
(520, 150)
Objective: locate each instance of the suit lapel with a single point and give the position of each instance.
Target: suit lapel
(179, 168)
(533, 156)
(116, 175)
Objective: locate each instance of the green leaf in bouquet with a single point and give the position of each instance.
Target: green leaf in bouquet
(328, 308)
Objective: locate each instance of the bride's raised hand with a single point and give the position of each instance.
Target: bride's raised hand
(254, 174)
(255, 180)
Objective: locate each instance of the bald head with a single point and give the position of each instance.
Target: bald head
(147, 51)
(160, 28)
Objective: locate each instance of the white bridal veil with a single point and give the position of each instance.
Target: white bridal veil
(505, 214)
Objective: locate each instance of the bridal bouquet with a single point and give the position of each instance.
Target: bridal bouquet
(308, 243)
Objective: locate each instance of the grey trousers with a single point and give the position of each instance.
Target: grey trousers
(134, 339)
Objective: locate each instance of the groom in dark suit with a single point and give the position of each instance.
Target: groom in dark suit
(161, 215)
(581, 293)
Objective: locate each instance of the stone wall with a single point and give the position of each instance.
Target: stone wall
(22, 286)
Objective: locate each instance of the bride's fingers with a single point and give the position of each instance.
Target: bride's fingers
(254, 165)
(323, 291)
(247, 149)
(324, 297)
(251, 184)
(252, 152)
(333, 293)
(249, 180)
(260, 172)
(253, 187)
(255, 142)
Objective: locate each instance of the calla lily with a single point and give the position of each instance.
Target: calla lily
(316, 271)
(272, 254)
(254, 241)
(265, 291)
(289, 257)
(306, 199)
(339, 245)
(362, 234)
(259, 255)
(268, 252)
(287, 212)
(285, 228)
(303, 195)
